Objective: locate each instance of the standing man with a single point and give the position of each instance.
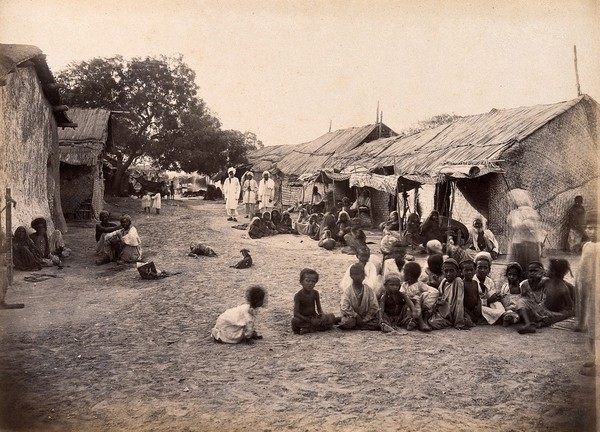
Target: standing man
(266, 193)
(172, 190)
(574, 220)
(250, 188)
(231, 191)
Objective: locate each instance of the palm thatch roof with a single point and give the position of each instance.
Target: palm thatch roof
(267, 158)
(13, 56)
(477, 140)
(311, 156)
(84, 144)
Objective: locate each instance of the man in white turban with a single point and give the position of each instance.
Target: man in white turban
(231, 191)
(266, 193)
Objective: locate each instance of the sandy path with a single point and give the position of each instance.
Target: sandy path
(101, 349)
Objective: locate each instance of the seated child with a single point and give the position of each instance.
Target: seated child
(449, 310)
(51, 248)
(313, 229)
(355, 238)
(433, 274)
(544, 301)
(472, 301)
(372, 277)
(491, 306)
(511, 292)
(308, 315)
(342, 226)
(359, 305)
(420, 297)
(392, 304)
(236, 325)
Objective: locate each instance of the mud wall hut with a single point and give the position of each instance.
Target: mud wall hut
(30, 112)
(81, 158)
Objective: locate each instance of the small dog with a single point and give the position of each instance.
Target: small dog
(197, 249)
(245, 262)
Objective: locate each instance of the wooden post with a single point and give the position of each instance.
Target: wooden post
(452, 189)
(576, 71)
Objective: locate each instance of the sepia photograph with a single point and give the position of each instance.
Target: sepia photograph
(310, 215)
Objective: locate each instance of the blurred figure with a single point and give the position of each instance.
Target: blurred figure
(525, 232)
(574, 220)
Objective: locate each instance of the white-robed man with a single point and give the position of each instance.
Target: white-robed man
(482, 240)
(266, 193)
(231, 191)
(250, 190)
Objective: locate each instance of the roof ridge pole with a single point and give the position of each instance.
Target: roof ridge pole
(377, 114)
(576, 72)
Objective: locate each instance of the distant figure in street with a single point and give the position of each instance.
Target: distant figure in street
(172, 190)
(146, 202)
(574, 220)
(157, 202)
(266, 193)
(250, 188)
(231, 192)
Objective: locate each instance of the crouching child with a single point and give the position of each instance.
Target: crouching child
(236, 325)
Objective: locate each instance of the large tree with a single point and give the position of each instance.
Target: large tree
(154, 99)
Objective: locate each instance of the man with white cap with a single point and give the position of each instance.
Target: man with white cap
(250, 189)
(231, 191)
(266, 193)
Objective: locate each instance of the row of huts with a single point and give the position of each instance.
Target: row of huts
(51, 156)
(461, 169)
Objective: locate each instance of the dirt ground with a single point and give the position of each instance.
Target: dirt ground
(99, 349)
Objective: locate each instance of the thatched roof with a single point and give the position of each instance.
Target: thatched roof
(266, 158)
(474, 140)
(84, 144)
(13, 56)
(314, 155)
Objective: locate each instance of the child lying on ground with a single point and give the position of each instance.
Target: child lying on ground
(236, 325)
(308, 315)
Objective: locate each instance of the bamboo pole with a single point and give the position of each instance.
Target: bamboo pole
(576, 71)
(452, 190)
(9, 256)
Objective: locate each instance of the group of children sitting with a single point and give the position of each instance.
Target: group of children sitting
(396, 295)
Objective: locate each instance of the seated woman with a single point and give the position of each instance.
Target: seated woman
(51, 248)
(343, 226)
(482, 240)
(276, 217)
(102, 228)
(123, 245)
(362, 203)
(317, 205)
(25, 255)
(285, 226)
(431, 228)
(261, 226)
(412, 233)
(328, 222)
(392, 224)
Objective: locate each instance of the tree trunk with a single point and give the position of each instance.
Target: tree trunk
(119, 184)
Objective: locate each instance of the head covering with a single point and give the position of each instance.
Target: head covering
(434, 246)
(249, 173)
(516, 266)
(451, 261)
(231, 169)
(125, 216)
(521, 198)
(267, 173)
(484, 256)
(392, 275)
(37, 222)
(536, 263)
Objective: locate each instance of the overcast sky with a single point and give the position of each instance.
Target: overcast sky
(284, 69)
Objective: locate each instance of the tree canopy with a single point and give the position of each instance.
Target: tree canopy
(158, 114)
